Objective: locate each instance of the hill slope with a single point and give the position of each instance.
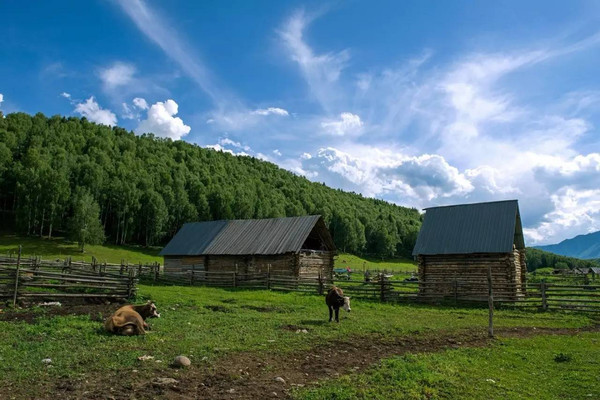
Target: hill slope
(582, 246)
(145, 187)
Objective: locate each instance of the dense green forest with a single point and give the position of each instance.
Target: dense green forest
(537, 259)
(58, 172)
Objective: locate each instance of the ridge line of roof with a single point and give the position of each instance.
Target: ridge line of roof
(252, 219)
(473, 204)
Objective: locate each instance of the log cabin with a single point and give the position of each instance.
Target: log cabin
(458, 244)
(293, 246)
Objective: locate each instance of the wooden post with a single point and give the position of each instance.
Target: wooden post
(544, 299)
(192, 277)
(130, 285)
(235, 278)
(490, 302)
(320, 283)
(382, 286)
(269, 277)
(17, 278)
(156, 271)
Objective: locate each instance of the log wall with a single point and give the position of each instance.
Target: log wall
(304, 264)
(313, 263)
(465, 275)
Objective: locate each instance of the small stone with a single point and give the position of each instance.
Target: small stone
(280, 379)
(47, 361)
(181, 362)
(490, 380)
(274, 394)
(304, 331)
(205, 358)
(164, 381)
(231, 391)
(145, 358)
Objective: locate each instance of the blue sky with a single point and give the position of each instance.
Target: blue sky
(418, 103)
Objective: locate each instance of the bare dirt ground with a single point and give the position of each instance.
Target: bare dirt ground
(259, 375)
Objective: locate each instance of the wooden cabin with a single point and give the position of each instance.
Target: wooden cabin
(458, 244)
(295, 246)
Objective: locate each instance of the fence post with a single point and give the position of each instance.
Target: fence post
(17, 277)
(234, 278)
(320, 283)
(192, 277)
(544, 299)
(155, 271)
(382, 286)
(490, 302)
(130, 285)
(269, 277)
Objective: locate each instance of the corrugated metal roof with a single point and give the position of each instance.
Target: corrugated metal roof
(242, 237)
(471, 228)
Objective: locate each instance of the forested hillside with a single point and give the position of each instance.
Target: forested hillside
(56, 172)
(537, 259)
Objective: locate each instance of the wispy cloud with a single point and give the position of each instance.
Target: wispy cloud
(155, 28)
(271, 111)
(321, 71)
(118, 74)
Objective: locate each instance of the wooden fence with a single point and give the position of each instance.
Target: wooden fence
(34, 279)
(542, 296)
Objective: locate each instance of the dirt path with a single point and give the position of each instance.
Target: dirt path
(253, 376)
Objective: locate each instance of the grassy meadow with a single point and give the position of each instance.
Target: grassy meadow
(207, 324)
(59, 248)
(212, 325)
(537, 368)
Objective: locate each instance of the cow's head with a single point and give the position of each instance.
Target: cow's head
(150, 310)
(346, 305)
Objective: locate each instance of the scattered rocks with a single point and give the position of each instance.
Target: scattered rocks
(181, 362)
(145, 358)
(302, 331)
(231, 391)
(280, 379)
(47, 361)
(164, 381)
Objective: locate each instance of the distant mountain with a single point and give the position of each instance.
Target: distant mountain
(582, 246)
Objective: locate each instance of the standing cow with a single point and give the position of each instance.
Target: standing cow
(335, 299)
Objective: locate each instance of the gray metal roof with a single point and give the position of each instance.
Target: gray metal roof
(244, 237)
(471, 228)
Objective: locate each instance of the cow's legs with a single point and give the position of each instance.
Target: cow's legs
(337, 314)
(330, 313)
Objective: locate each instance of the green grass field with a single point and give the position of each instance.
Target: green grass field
(212, 325)
(357, 264)
(209, 324)
(542, 367)
(58, 248)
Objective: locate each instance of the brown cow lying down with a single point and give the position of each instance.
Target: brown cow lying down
(130, 320)
(335, 299)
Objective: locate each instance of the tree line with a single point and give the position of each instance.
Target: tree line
(62, 175)
(537, 259)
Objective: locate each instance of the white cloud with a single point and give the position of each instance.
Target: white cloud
(162, 122)
(93, 112)
(277, 152)
(66, 95)
(118, 74)
(270, 110)
(347, 124)
(153, 26)
(140, 103)
(1, 98)
(320, 71)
